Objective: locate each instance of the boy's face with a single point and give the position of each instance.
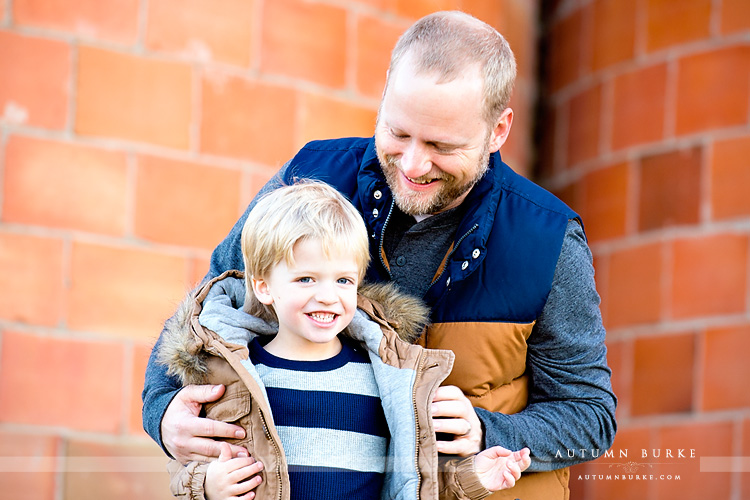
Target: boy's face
(314, 301)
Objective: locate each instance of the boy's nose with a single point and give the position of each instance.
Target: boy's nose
(325, 294)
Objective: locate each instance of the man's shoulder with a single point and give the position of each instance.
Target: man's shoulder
(334, 161)
(340, 144)
(516, 185)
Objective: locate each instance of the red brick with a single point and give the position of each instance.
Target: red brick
(674, 22)
(36, 479)
(614, 30)
(730, 178)
(141, 353)
(256, 180)
(133, 470)
(57, 184)
(745, 487)
(706, 98)
(32, 277)
(219, 30)
(584, 125)
(565, 51)
(123, 291)
(670, 189)
(171, 196)
(712, 439)
(626, 451)
(547, 150)
(639, 106)
(619, 362)
(34, 81)
(305, 40)
(635, 283)
(727, 371)
(375, 40)
(418, 8)
(70, 383)
(324, 118)
(247, 119)
(735, 16)
(518, 22)
(109, 20)
(605, 202)
(709, 276)
(197, 270)
(663, 374)
(133, 98)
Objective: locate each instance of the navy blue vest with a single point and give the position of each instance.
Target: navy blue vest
(518, 224)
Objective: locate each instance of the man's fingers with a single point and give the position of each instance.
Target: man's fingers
(457, 426)
(201, 393)
(447, 392)
(213, 428)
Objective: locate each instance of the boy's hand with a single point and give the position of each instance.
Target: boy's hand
(230, 477)
(188, 437)
(499, 469)
(457, 416)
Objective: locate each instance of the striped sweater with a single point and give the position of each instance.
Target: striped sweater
(330, 420)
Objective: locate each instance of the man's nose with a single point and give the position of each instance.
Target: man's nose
(415, 161)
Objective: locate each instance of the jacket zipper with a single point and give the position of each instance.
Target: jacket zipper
(455, 247)
(420, 369)
(276, 447)
(382, 237)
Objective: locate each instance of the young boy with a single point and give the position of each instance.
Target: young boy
(334, 400)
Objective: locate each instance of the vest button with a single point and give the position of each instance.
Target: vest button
(377, 194)
(375, 212)
(464, 265)
(475, 253)
(401, 260)
(448, 282)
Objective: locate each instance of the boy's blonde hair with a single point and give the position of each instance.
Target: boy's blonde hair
(308, 209)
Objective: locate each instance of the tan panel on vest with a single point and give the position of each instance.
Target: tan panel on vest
(490, 361)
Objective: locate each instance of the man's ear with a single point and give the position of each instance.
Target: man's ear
(501, 130)
(261, 290)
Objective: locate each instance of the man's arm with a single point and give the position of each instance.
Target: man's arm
(170, 414)
(571, 404)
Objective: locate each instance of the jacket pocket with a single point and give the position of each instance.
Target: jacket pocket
(232, 406)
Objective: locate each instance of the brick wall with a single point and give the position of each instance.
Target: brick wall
(132, 135)
(646, 133)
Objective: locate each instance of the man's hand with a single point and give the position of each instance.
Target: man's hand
(456, 416)
(188, 437)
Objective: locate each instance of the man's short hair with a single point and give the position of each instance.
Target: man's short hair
(445, 43)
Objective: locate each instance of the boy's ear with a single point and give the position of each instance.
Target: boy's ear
(261, 290)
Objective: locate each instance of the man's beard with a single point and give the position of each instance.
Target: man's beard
(414, 203)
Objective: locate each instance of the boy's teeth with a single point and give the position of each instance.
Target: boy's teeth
(325, 318)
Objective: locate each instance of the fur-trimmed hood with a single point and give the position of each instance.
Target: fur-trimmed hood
(219, 306)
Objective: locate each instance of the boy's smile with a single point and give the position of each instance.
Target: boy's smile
(314, 298)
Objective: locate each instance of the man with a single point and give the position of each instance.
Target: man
(503, 264)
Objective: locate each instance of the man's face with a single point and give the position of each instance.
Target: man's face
(432, 140)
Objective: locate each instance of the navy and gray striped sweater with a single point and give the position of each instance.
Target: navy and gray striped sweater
(330, 420)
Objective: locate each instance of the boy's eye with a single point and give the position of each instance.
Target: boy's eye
(345, 281)
(305, 279)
